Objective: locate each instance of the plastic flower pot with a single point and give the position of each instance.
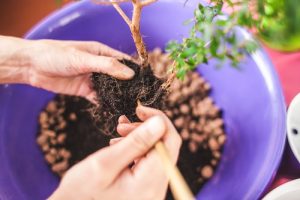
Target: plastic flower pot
(251, 99)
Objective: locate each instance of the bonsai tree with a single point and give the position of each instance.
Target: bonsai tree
(209, 37)
(274, 21)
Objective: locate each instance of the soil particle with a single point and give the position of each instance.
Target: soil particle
(185, 134)
(61, 138)
(221, 139)
(60, 166)
(50, 158)
(72, 117)
(207, 172)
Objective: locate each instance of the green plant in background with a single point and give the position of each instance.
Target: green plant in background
(280, 23)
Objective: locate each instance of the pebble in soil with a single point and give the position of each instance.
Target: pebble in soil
(66, 120)
(67, 132)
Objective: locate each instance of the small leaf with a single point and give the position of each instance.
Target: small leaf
(214, 46)
(181, 73)
(191, 62)
(251, 46)
(189, 52)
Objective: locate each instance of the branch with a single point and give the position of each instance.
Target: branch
(115, 4)
(147, 2)
(134, 23)
(123, 15)
(136, 33)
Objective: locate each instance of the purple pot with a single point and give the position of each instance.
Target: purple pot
(251, 99)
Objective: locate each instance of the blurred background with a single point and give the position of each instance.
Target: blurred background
(17, 17)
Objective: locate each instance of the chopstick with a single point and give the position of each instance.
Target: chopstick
(179, 187)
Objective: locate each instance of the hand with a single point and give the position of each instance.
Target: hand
(106, 174)
(59, 66)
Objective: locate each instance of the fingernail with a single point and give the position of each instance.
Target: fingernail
(140, 106)
(124, 126)
(127, 72)
(156, 126)
(123, 120)
(142, 109)
(140, 112)
(115, 140)
(127, 57)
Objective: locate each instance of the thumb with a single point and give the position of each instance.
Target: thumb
(118, 157)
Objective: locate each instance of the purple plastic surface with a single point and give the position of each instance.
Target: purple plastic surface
(251, 99)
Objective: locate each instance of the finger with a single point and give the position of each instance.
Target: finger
(115, 140)
(125, 129)
(123, 119)
(171, 139)
(154, 163)
(144, 112)
(70, 85)
(92, 97)
(78, 86)
(83, 63)
(93, 47)
(97, 48)
(151, 163)
(116, 158)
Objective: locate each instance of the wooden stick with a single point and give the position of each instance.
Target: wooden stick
(177, 183)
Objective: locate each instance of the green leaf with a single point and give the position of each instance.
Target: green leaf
(180, 62)
(231, 38)
(214, 46)
(188, 52)
(230, 3)
(172, 46)
(251, 46)
(181, 73)
(191, 62)
(206, 27)
(221, 22)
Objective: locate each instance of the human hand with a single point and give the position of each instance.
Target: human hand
(59, 66)
(106, 174)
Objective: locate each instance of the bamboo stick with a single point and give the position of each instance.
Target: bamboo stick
(179, 187)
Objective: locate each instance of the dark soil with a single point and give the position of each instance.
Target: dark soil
(67, 132)
(117, 97)
(83, 136)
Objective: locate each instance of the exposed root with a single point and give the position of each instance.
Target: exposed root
(122, 97)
